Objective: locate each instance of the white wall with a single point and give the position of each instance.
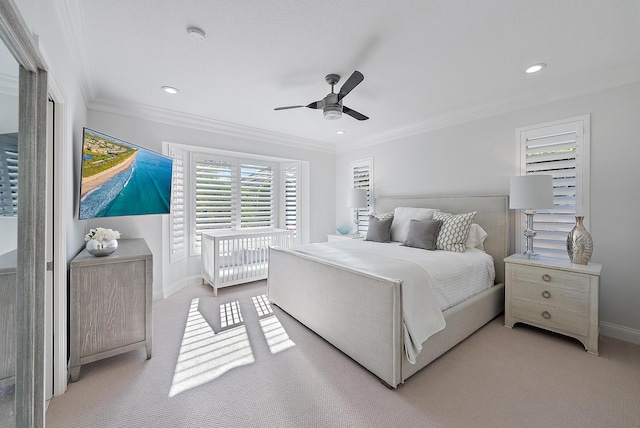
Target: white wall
(479, 157)
(168, 277)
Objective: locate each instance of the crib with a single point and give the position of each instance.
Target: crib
(231, 257)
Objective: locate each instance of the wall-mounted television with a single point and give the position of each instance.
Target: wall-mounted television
(122, 179)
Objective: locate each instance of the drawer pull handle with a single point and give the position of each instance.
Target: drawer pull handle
(546, 277)
(546, 315)
(546, 294)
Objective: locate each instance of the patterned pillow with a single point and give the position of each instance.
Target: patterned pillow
(453, 231)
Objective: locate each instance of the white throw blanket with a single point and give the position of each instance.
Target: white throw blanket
(422, 316)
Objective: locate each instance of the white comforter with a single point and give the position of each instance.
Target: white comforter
(432, 280)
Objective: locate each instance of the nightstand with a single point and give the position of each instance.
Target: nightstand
(555, 295)
(336, 237)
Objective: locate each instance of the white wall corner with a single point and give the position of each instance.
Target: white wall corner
(177, 286)
(620, 332)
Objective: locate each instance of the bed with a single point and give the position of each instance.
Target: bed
(361, 313)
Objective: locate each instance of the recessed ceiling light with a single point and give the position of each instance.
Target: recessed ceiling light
(535, 68)
(195, 34)
(340, 132)
(170, 90)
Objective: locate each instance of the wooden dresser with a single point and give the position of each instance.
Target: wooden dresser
(110, 304)
(555, 295)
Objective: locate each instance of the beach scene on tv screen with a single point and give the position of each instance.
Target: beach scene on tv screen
(119, 178)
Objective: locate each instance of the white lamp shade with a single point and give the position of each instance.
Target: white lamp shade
(357, 198)
(531, 192)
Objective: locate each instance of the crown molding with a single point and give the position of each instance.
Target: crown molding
(564, 90)
(75, 37)
(200, 123)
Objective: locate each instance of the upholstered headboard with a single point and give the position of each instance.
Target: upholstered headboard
(492, 214)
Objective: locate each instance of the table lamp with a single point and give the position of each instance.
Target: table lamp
(531, 192)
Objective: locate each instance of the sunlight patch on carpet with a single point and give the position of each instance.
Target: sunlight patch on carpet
(206, 355)
(261, 303)
(277, 338)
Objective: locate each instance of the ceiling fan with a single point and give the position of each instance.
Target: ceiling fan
(331, 105)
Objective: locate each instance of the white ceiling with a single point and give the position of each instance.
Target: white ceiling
(427, 63)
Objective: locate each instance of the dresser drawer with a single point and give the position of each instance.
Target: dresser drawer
(571, 300)
(545, 276)
(550, 317)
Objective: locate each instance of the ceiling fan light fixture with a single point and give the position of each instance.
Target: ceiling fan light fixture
(332, 112)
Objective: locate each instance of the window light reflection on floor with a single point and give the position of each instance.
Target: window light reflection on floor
(277, 338)
(206, 355)
(261, 303)
(230, 314)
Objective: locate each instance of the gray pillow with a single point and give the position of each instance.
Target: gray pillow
(423, 234)
(379, 229)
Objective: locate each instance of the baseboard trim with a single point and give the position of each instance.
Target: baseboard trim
(177, 286)
(620, 332)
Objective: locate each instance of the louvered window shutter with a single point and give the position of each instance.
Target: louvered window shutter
(9, 175)
(256, 195)
(561, 150)
(291, 171)
(177, 215)
(362, 178)
(214, 197)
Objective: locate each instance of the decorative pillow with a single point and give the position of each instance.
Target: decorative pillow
(454, 231)
(476, 238)
(402, 217)
(422, 234)
(383, 216)
(379, 230)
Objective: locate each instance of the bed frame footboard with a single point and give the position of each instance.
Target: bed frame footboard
(359, 313)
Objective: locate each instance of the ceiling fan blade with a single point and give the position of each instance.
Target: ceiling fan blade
(354, 113)
(353, 81)
(316, 104)
(287, 107)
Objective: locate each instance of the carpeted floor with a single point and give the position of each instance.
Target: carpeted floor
(234, 361)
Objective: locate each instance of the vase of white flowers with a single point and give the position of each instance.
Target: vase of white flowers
(101, 242)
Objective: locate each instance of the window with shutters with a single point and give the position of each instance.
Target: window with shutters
(256, 195)
(214, 191)
(361, 176)
(215, 196)
(178, 204)
(291, 171)
(9, 175)
(559, 149)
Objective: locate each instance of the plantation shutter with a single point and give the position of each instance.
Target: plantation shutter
(291, 197)
(9, 175)
(256, 195)
(214, 196)
(177, 214)
(559, 149)
(362, 178)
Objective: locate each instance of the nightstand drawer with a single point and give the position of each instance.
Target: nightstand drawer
(550, 317)
(552, 277)
(557, 297)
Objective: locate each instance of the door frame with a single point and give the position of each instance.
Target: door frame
(60, 135)
(30, 272)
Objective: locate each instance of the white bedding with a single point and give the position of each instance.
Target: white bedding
(433, 281)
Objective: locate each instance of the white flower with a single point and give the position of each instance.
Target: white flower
(101, 234)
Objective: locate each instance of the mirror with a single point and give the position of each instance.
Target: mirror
(8, 231)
